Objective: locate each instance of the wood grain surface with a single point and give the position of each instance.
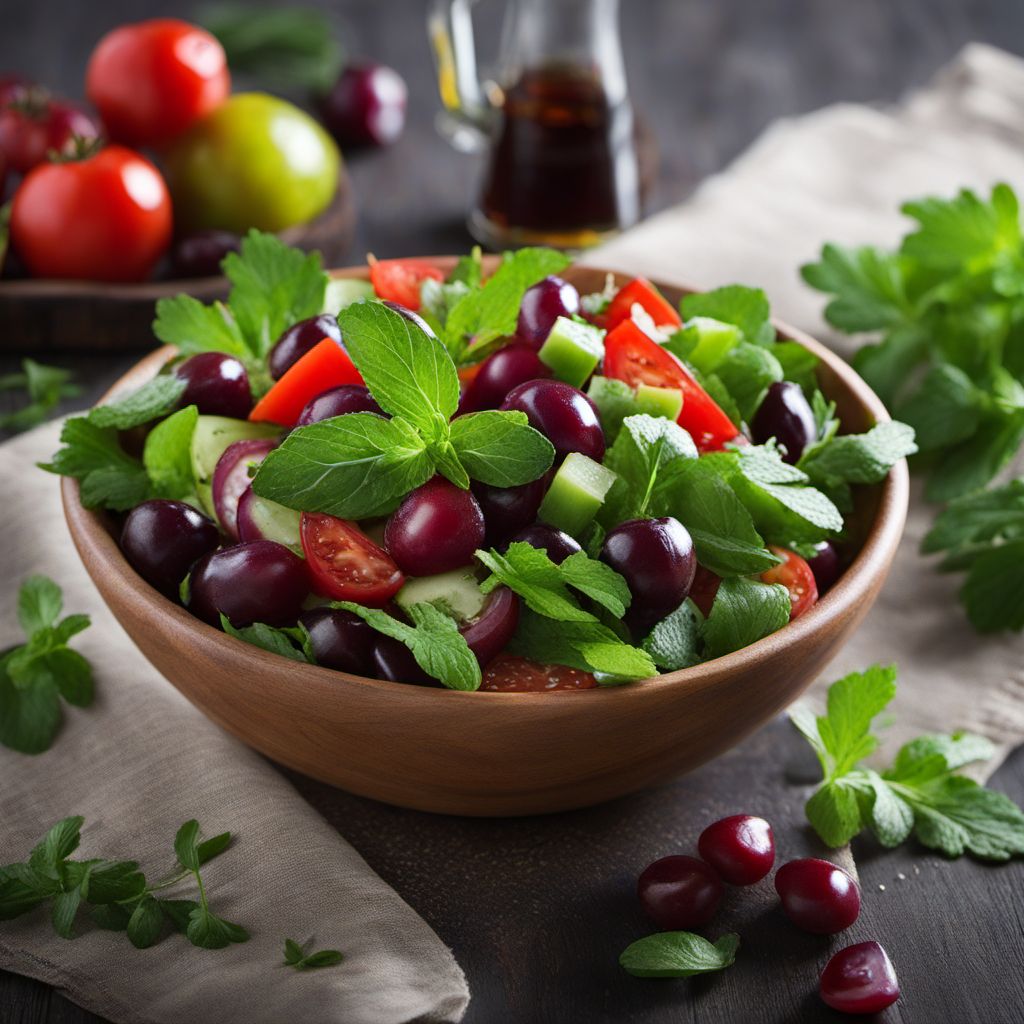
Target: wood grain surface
(538, 909)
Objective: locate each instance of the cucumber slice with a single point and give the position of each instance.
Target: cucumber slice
(456, 593)
(572, 350)
(667, 402)
(271, 521)
(576, 493)
(343, 291)
(209, 440)
(714, 340)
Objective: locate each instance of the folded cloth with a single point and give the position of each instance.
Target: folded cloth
(839, 175)
(139, 763)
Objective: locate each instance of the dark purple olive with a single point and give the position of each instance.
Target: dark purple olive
(542, 305)
(199, 254)
(412, 316)
(338, 401)
(393, 660)
(787, 416)
(563, 414)
(826, 565)
(298, 339)
(557, 544)
(341, 640)
(657, 560)
(499, 374)
(488, 634)
(509, 509)
(366, 105)
(164, 539)
(259, 581)
(217, 384)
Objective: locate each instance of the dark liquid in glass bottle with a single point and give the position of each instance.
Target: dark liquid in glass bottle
(563, 167)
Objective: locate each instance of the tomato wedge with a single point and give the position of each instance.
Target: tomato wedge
(345, 564)
(642, 291)
(704, 589)
(400, 280)
(508, 673)
(797, 577)
(325, 366)
(630, 356)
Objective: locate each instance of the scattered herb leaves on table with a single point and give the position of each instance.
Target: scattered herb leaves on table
(678, 955)
(295, 957)
(44, 387)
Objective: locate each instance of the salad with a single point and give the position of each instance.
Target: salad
(478, 482)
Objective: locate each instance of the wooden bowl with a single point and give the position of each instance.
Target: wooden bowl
(499, 753)
(44, 316)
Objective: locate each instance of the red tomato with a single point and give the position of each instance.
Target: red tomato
(508, 673)
(151, 80)
(104, 218)
(630, 356)
(32, 124)
(704, 589)
(796, 576)
(325, 366)
(399, 280)
(642, 291)
(345, 564)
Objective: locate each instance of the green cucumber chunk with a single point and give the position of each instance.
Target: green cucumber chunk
(576, 493)
(277, 522)
(572, 350)
(715, 340)
(456, 593)
(210, 438)
(667, 402)
(343, 291)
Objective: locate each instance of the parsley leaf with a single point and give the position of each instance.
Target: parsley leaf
(45, 386)
(744, 611)
(678, 955)
(36, 675)
(192, 327)
(501, 448)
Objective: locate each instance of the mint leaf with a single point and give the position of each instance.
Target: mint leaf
(798, 364)
(145, 924)
(747, 372)
(39, 603)
(269, 638)
(208, 931)
(972, 464)
(853, 702)
(859, 458)
(600, 582)
(992, 593)
(294, 957)
(353, 466)
(744, 612)
(156, 398)
(186, 323)
(747, 308)
(678, 955)
(977, 520)
(17, 896)
(408, 372)
(501, 448)
(834, 812)
(676, 642)
(167, 455)
(186, 845)
(45, 386)
(433, 639)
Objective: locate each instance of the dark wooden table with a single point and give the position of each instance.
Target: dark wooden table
(538, 909)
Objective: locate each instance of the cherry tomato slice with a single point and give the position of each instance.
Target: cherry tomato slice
(704, 589)
(345, 564)
(642, 291)
(325, 366)
(797, 577)
(630, 356)
(508, 673)
(399, 280)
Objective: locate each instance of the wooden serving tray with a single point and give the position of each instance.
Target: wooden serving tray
(43, 316)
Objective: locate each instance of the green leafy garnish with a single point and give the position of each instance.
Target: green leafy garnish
(45, 387)
(920, 793)
(156, 398)
(746, 308)
(678, 955)
(37, 674)
(291, 642)
(744, 611)
(295, 957)
(678, 640)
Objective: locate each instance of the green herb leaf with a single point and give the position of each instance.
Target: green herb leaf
(167, 454)
(39, 603)
(292, 952)
(269, 638)
(600, 582)
(65, 909)
(145, 924)
(45, 387)
(208, 931)
(678, 955)
(744, 612)
(747, 308)
(992, 593)
(294, 957)
(156, 398)
(192, 327)
(186, 845)
(501, 448)
(677, 641)
(859, 458)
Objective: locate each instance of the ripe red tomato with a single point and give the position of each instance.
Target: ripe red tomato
(399, 280)
(508, 673)
(151, 80)
(796, 576)
(104, 218)
(630, 356)
(32, 124)
(641, 291)
(345, 564)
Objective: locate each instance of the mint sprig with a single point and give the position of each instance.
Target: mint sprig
(37, 675)
(678, 955)
(920, 794)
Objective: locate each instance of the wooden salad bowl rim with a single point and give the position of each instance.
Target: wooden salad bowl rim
(147, 614)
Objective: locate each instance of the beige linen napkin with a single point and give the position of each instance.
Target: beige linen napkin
(840, 175)
(139, 763)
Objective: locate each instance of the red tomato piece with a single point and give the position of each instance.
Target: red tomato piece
(153, 79)
(104, 218)
(704, 589)
(641, 291)
(327, 365)
(630, 356)
(345, 564)
(508, 673)
(33, 124)
(797, 577)
(399, 280)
